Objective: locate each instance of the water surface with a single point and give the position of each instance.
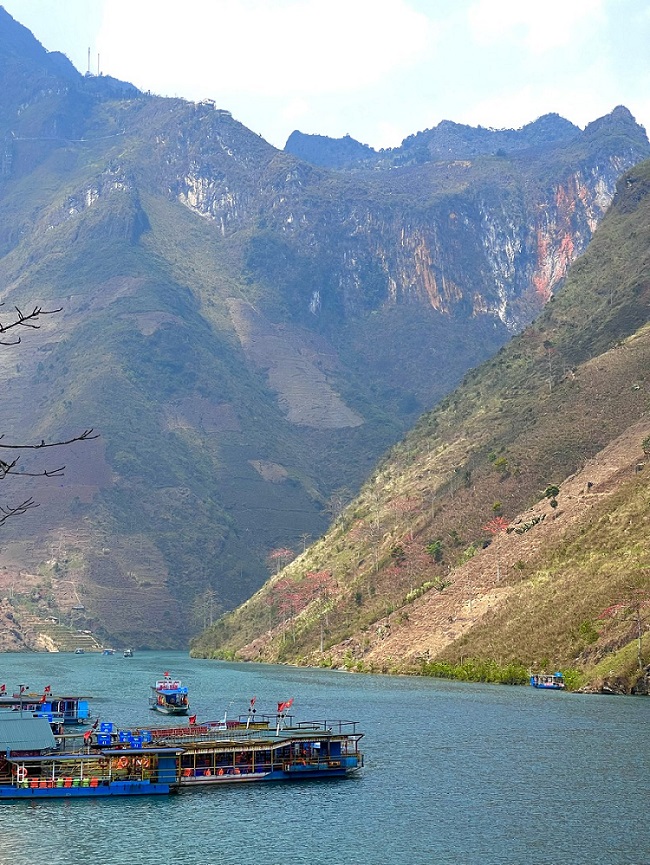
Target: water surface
(456, 774)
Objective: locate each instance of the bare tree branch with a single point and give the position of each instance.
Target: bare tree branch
(9, 468)
(28, 320)
(18, 510)
(86, 435)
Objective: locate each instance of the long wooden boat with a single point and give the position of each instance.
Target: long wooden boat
(169, 696)
(263, 750)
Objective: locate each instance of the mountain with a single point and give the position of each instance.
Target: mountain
(447, 140)
(247, 332)
(509, 529)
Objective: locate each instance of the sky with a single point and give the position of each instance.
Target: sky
(378, 70)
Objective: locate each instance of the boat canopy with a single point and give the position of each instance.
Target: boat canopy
(25, 734)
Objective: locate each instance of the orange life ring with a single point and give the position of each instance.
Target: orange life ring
(145, 763)
(122, 763)
(21, 774)
(207, 773)
(187, 773)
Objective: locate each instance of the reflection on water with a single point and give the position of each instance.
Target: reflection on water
(455, 773)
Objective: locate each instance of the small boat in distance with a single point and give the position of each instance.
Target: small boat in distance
(551, 681)
(169, 696)
(108, 652)
(79, 651)
(128, 653)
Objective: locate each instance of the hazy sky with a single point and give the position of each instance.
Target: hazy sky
(377, 69)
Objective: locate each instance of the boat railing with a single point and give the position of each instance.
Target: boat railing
(343, 728)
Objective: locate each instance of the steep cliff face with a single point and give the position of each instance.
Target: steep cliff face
(247, 331)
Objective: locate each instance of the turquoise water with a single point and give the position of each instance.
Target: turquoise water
(455, 773)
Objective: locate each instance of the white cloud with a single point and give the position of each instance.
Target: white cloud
(295, 47)
(540, 26)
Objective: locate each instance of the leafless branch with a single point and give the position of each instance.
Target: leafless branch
(25, 320)
(7, 469)
(18, 510)
(86, 435)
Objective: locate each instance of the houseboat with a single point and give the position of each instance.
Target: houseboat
(551, 681)
(169, 696)
(31, 766)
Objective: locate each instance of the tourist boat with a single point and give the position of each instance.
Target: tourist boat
(128, 653)
(108, 651)
(64, 709)
(551, 681)
(31, 766)
(169, 696)
(267, 748)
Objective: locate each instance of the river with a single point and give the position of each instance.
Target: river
(455, 774)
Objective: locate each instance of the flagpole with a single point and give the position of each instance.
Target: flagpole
(23, 688)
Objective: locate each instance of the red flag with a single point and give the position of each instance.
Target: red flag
(48, 688)
(3, 689)
(192, 719)
(282, 707)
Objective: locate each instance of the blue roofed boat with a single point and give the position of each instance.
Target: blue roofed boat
(31, 767)
(169, 696)
(65, 709)
(550, 681)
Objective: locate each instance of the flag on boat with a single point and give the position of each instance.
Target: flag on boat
(46, 691)
(3, 689)
(252, 703)
(192, 719)
(282, 707)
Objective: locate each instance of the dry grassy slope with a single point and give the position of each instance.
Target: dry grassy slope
(523, 613)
